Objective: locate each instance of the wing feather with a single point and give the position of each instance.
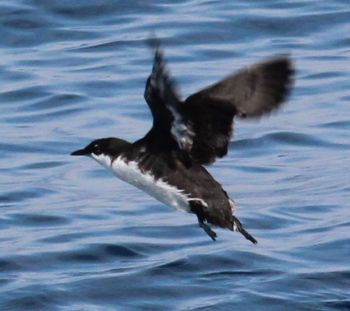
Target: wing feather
(202, 125)
(250, 93)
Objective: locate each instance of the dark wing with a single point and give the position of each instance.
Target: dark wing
(169, 129)
(250, 93)
(160, 92)
(201, 127)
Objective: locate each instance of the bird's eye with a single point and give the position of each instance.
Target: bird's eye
(97, 149)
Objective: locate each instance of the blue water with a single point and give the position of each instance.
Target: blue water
(73, 237)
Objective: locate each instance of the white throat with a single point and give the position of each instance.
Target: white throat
(104, 159)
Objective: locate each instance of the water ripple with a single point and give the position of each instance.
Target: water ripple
(75, 238)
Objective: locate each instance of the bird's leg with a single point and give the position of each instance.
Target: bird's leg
(197, 209)
(207, 229)
(239, 227)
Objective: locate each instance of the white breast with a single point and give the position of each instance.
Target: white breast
(159, 189)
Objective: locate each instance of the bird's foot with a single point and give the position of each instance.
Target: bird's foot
(208, 230)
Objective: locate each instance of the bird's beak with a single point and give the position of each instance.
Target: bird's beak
(80, 152)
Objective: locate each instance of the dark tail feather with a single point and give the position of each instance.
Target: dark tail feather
(239, 228)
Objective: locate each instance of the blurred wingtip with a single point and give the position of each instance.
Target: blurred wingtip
(153, 41)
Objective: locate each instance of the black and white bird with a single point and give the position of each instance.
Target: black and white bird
(167, 162)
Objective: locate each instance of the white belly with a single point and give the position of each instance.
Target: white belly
(159, 189)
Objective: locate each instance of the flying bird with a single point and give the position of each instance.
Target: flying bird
(168, 162)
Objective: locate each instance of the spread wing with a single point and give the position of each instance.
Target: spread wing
(250, 93)
(201, 126)
(170, 127)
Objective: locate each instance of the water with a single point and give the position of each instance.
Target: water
(73, 237)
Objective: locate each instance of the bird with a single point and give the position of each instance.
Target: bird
(169, 162)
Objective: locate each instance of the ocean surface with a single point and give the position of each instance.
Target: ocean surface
(73, 237)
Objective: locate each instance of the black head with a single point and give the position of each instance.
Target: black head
(107, 146)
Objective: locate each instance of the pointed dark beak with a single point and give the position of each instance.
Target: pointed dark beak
(80, 152)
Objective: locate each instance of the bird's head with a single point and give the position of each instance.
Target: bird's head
(103, 150)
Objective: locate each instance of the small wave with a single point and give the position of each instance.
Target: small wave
(98, 253)
(272, 140)
(38, 220)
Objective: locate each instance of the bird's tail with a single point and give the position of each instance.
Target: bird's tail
(237, 226)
